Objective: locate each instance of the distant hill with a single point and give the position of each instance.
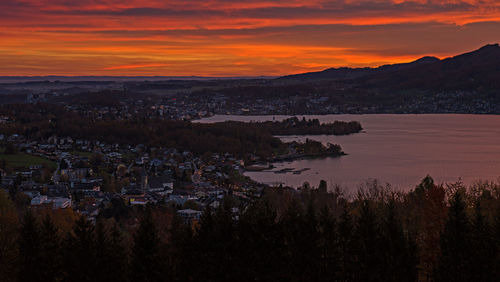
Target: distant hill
(52, 78)
(469, 71)
(350, 73)
(475, 70)
(332, 73)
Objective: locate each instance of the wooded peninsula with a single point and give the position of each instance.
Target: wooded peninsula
(40, 121)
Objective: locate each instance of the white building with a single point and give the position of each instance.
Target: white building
(189, 215)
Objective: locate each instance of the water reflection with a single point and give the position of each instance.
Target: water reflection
(399, 149)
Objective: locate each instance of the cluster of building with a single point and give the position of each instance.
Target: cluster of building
(181, 100)
(88, 176)
(453, 102)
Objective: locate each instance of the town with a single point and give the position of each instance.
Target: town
(88, 176)
(106, 161)
(193, 99)
(248, 141)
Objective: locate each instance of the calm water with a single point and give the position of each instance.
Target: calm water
(397, 149)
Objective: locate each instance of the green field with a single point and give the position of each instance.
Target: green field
(25, 160)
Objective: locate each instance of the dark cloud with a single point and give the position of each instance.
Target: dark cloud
(403, 39)
(340, 9)
(236, 37)
(135, 12)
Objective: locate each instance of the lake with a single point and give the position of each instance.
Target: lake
(396, 149)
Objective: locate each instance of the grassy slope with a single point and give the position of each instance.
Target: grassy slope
(24, 160)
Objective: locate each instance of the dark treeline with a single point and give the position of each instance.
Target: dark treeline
(430, 234)
(43, 120)
(311, 149)
(238, 138)
(296, 126)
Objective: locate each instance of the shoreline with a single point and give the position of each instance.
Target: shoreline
(206, 119)
(269, 165)
(307, 157)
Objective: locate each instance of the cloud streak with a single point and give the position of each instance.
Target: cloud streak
(135, 66)
(220, 37)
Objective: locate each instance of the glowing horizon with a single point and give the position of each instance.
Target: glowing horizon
(229, 38)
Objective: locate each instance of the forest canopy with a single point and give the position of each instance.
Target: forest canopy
(41, 121)
(433, 233)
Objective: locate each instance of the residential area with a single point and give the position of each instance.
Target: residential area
(87, 177)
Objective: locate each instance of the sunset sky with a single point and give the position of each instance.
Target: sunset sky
(231, 38)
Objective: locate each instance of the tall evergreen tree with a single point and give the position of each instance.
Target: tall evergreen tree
(323, 187)
(293, 236)
(260, 244)
(367, 245)
(399, 263)
(118, 255)
(225, 243)
(482, 248)
(102, 251)
(309, 246)
(29, 249)
(346, 247)
(181, 250)
(9, 233)
(110, 256)
(146, 264)
(328, 245)
(454, 264)
(216, 241)
(50, 251)
(206, 260)
(496, 243)
(81, 255)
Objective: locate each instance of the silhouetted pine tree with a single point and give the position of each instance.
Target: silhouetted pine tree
(454, 263)
(181, 250)
(483, 248)
(118, 254)
(346, 247)
(224, 246)
(293, 236)
(328, 245)
(216, 245)
(413, 259)
(309, 247)
(110, 255)
(367, 250)
(80, 255)
(260, 244)
(146, 262)
(496, 243)
(206, 259)
(102, 252)
(50, 251)
(399, 263)
(323, 187)
(29, 249)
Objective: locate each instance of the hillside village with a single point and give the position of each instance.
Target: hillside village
(88, 177)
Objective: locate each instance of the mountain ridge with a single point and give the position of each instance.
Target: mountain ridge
(469, 70)
(348, 72)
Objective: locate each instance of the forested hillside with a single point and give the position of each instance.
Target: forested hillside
(433, 233)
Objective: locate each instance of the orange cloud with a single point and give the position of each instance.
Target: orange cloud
(136, 66)
(219, 37)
